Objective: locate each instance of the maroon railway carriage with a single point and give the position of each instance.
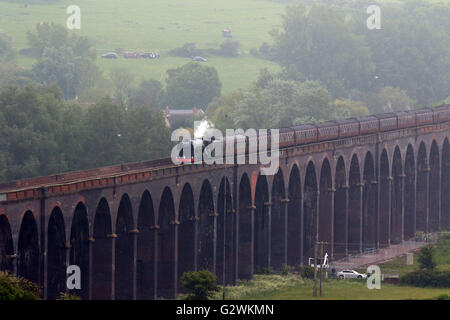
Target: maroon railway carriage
(388, 121)
(348, 127)
(306, 133)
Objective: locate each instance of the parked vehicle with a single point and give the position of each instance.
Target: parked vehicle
(227, 33)
(351, 274)
(109, 55)
(149, 55)
(130, 55)
(199, 59)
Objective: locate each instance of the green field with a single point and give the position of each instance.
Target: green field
(292, 287)
(159, 25)
(273, 287)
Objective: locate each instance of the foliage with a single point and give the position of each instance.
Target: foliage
(122, 81)
(261, 285)
(426, 258)
(229, 48)
(408, 39)
(443, 297)
(7, 52)
(188, 50)
(148, 94)
(68, 296)
(307, 272)
(64, 59)
(29, 125)
(16, 288)
(389, 99)
(44, 135)
(50, 35)
(318, 43)
(427, 278)
(345, 108)
(201, 285)
(283, 103)
(191, 85)
(61, 67)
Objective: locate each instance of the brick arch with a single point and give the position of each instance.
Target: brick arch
(225, 230)
(355, 206)
(166, 250)
(340, 218)
(56, 253)
(102, 247)
(310, 211)
(6, 243)
(385, 182)
(146, 254)
(187, 254)
(79, 247)
(245, 218)
(278, 221)
(410, 194)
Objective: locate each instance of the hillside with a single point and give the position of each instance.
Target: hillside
(158, 25)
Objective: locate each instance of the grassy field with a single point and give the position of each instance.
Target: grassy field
(158, 25)
(273, 287)
(291, 287)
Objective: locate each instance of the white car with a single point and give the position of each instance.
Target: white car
(351, 274)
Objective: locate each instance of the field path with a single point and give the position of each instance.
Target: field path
(383, 255)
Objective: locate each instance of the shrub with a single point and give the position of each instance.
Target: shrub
(229, 48)
(16, 288)
(427, 278)
(200, 285)
(307, 272)
(188, 50)
(264, 270)
(68, 296)
(444, 235)
(426, 258)
(443, 297)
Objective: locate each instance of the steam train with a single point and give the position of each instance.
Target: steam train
(339, 129)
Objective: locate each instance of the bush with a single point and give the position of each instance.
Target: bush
(426, 258)
(188, 50)
(427, 278)
(444, 235)
(443, 297)
(16, 288)
(68, 296)
(200, 285)
(307, 272)
(229, 48)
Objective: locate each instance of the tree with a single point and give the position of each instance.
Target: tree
(191, 85)
(148, 94)
(426, 258)
(30, 127)
(283, 103)
(389, 99)
(50, 35)
(344, 108)
(411, 54)
(319, 44)
(103, 126)
(7, 53)
(122, 81)
(220, 111)
(201, 285)
(229, 48)
(61, 67)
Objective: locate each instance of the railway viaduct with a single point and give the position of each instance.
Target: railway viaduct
(134, 229)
